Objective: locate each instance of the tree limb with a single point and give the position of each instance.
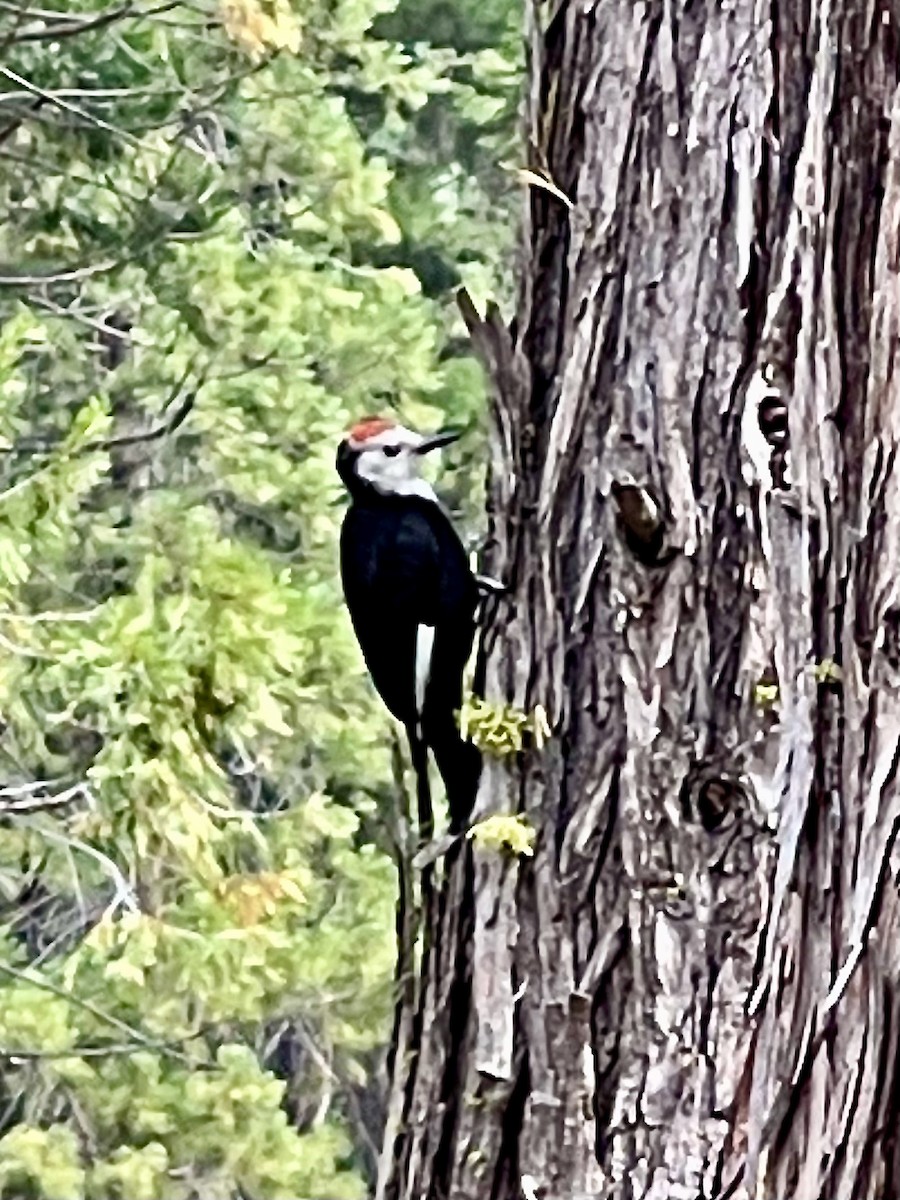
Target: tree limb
(74, 109)
(22, 798)
(70, 276)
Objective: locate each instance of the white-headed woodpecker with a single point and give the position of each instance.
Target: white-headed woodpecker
(412, 599)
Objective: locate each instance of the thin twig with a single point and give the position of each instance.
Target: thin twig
(124, 894)
(65, 26)
(14, 647)
(177, 418)
(74, 109)
(35, 13)
(42, 618)
(24, 800)
(113, 94)
(75, 1052)
(159, 431)
(10, 37)
(69, 276)
(76, 315)
(62, 29)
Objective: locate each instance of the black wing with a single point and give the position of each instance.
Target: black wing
(402, 566)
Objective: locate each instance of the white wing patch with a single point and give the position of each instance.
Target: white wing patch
(424, 648)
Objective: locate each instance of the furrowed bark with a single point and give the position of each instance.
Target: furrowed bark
(691, 989)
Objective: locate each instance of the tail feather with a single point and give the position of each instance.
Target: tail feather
(419, 755)
(459, 764)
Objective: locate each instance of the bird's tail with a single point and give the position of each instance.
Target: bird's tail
(459, 764)
(419, 754)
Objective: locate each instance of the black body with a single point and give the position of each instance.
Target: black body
(402, 566)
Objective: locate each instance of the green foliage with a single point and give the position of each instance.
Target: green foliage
(43, 1162)
(236, 231)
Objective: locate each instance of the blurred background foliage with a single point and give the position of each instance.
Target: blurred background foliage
(228, 230)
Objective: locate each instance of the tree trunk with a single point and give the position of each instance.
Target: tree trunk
(691, 989)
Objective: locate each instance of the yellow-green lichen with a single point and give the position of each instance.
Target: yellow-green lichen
(500, 729)
(503, 831)
(766, 695)
(827, 671)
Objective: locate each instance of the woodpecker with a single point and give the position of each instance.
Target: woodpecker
(412, 599)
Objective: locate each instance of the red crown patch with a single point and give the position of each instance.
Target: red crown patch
(370, 427)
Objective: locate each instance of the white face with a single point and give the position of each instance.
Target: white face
(389, 461)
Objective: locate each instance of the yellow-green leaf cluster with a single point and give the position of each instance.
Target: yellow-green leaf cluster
(510, 832)
(501, 730)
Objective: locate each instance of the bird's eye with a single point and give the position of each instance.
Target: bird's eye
(392, 451)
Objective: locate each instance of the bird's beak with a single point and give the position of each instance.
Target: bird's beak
(444, 438)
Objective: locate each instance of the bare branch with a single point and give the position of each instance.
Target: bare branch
(171, 423)
(43, 618)
(34, 13)
(113, 95)
(159, 431)
(52, 25)
(10, 38)
(75, 314)
(102, 1051)
(124, 896)
(74, 109)
(44, 31)
(71, 276)
(24, 798)
(11, 126)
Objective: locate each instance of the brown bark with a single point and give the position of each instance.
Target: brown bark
(691, 990)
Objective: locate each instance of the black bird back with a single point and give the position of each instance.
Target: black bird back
(402, 566)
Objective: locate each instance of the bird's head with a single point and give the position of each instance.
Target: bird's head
(380, 454)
